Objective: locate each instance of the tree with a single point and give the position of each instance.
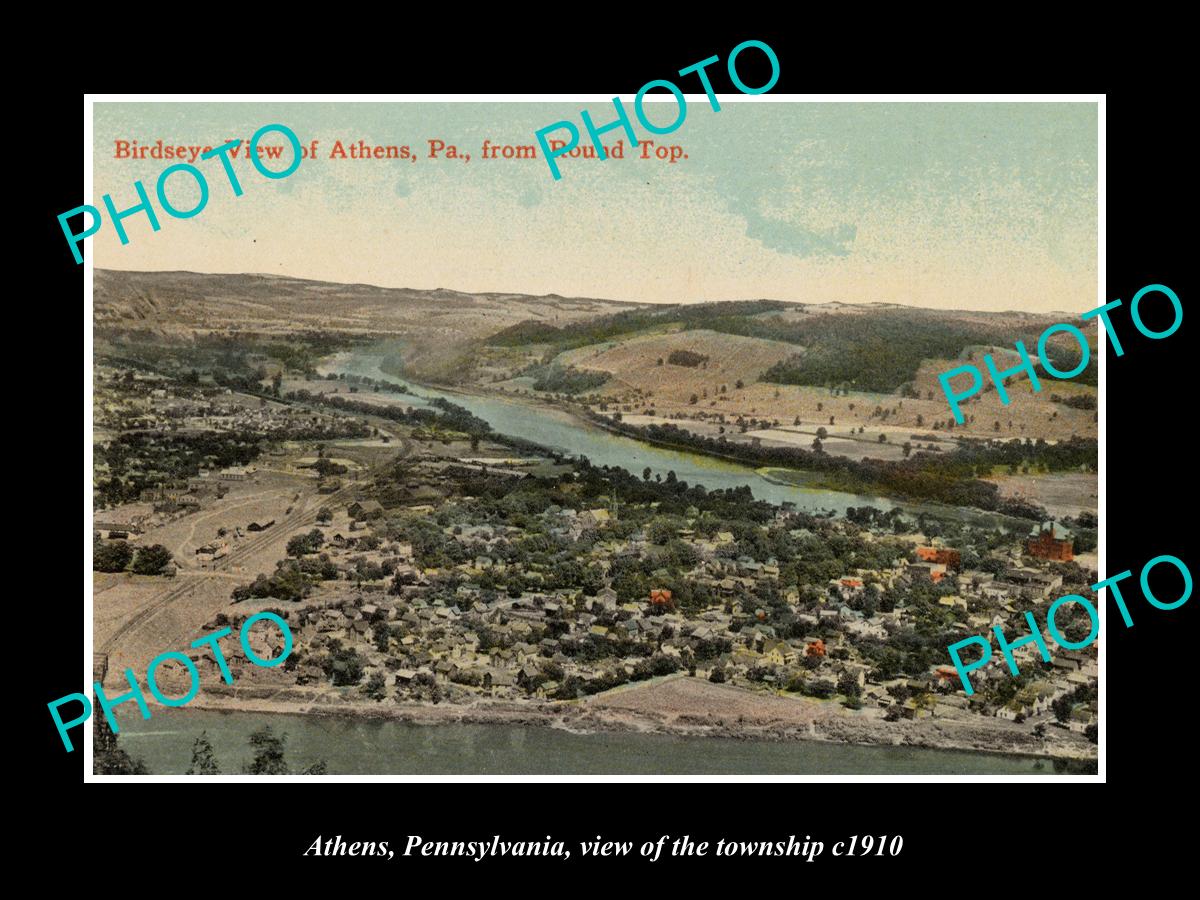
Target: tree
(151, 560)
(324, 515)
(303, 544)
(848, 686)
(1039, 730)
(346, 667)
(112, 556)
(907, 448)
(822, 434)
(740, 384)
(1062, 708)
(816, 445)
(117, 762)
(203, 760)
(268, 754)
(376, 686)
(882, 438)
(646, 474)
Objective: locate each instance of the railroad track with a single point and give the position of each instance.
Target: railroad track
(296, 520)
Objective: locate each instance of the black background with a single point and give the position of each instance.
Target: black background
(962, 834)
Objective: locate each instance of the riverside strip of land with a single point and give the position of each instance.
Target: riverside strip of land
(674, 704)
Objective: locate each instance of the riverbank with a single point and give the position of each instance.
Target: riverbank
(816, 495)
(677, 706)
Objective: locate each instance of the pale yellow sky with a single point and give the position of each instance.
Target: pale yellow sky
(984, 206)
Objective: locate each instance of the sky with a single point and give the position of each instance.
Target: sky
(988, 206)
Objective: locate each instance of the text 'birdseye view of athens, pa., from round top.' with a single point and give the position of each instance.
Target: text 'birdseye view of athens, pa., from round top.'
(645, 469)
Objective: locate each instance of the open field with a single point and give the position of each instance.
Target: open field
(634, 363)
(838, 441)
(1063, 494)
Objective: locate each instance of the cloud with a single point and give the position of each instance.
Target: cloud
(795, 239)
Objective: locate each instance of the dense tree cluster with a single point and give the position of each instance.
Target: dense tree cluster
(948, 478)
(603, 328)
(565, 380)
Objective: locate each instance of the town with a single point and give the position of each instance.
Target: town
(423, 561)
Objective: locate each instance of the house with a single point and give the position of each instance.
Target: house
(497, 678)
(594, 518)
(116, 530)
(930, 571)
(848, 587)
(779, 653)
(946, 674)
(1049, 540)
(942, 556)
(661, 598)
(212, 550)
(365, 509)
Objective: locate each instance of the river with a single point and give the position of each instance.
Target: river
(368, 746)
(560, 431)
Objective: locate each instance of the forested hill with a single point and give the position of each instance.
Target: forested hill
(866, 347)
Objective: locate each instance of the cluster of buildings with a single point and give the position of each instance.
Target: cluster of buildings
(475, 641)
(147, 402)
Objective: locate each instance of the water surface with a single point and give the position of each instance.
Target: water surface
(557, 430)
(380, 747)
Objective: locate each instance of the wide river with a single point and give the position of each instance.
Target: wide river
(352, 746)
(364, 747)
(561, 431)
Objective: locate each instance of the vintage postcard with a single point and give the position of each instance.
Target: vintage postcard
(411, 458)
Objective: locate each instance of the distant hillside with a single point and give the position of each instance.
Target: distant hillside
(186, 301)
(445, 333)
(875, 347)
(435, 328)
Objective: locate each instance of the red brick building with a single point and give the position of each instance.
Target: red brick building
(1050, 540)
(943, 556)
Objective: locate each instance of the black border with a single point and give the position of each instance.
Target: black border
(950, 830)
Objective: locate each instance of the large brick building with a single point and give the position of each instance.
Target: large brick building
(943, 556)
(1049, 540)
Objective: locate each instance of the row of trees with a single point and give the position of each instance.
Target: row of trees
(117, 556)
(942, 477)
